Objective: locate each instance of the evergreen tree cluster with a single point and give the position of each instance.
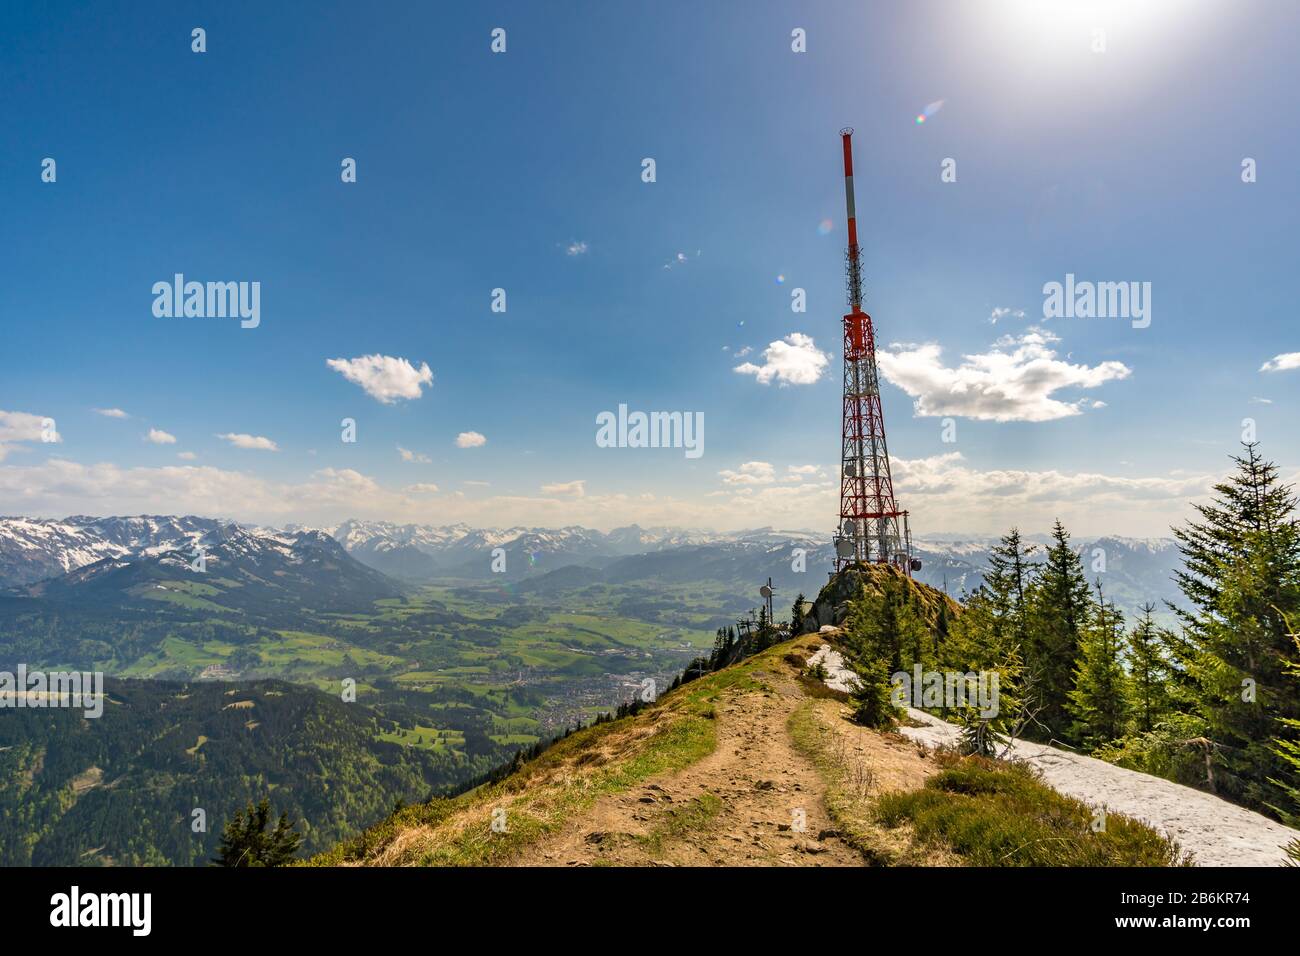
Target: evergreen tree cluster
(1213, 701)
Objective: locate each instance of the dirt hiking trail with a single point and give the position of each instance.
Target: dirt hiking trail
(755, 801)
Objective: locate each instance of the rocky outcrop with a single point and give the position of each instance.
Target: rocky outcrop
(831, 608)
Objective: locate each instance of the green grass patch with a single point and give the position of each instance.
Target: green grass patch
(999, 814)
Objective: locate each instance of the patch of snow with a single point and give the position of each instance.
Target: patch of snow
(1215, 832)
(838, 676)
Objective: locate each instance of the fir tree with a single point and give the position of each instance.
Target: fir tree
(970, 644)
(797, 615)
(245, 840)
(1099, 699)
(1288, 750)
(1241, 578)
(1008, 580)
(873, 696)
(888, 626)
(986, 734)
(1058, 608)
(1150, 672)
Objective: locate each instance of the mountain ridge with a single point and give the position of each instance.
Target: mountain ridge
(1136, 571)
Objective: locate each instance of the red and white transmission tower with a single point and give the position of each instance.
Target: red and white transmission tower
(872, 529)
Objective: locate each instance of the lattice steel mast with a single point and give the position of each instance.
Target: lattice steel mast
(871, 528)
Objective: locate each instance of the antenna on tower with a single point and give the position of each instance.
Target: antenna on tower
(872, 529)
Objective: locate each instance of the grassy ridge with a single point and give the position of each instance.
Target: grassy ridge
(539, 798)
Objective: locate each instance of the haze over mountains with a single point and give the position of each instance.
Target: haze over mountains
(61, 557)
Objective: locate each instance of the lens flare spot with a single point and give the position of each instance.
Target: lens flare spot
(929, 111)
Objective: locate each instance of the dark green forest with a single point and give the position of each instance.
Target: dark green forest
(122, 789)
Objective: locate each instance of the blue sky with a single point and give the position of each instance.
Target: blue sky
(522, 171)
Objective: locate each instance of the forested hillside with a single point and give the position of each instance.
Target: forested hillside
(123, 789)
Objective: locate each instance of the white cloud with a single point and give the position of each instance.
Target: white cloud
(1002, 313)
(1282, 363)
(944, 493)
(413, 456)
(470, 483)
(470, 440)
(572, 489)
(23, 427)
(750, 473)
(576, 248)
(1261, 401)
(1015, 381)
(252, 442)
(160, 437)
(800, 472)
(794, 360)
(110, 412)
(186, 455)
(384, 378)
(422, 488)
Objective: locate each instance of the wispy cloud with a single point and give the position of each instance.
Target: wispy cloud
(750, 473)
(110, 412)
(383, 377)
(576, 248)
(1002, 313)
(572, 489)
(251, 442)
(796, 473)
(160, 437)
(413, 456)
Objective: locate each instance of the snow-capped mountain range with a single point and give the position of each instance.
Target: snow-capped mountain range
(33, 549)
(36, 549)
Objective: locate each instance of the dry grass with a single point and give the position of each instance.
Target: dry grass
(563, 782)
(858, 764)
